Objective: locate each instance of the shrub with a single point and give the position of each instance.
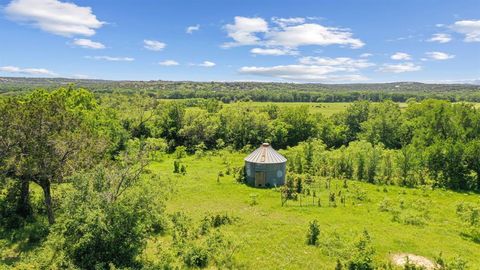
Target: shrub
(362, 255)
(385, 205)
(196, 256)
(456, 263)
(313, 233)
(180, 152)
(181, 228)
(176, 166)
(240, 174)
(220, 251)
(469, 213)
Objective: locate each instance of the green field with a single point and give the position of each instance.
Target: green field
(326, 109)
(270, 236)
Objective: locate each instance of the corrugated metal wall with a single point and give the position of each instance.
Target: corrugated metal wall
(274, 173)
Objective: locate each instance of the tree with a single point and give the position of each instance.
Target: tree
(299, 122)
(51, 135)
(169, 119)
(199, 127)
(356, 114)
(313, 233)
(109, 215)
(472, 157)
(383, 124)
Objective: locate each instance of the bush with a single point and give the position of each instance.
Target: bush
(362, 255)
(469, 213)
(176, 166)
(180, 152)
(385, 205)
(313, 233)
(456, 263)
(181, 228)
(98, 231)
(240, 174)
(196, 256)
(215, 221)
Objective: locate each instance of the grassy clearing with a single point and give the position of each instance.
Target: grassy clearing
(326, 109)
(273, 237)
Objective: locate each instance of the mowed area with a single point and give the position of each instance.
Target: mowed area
(270, 236)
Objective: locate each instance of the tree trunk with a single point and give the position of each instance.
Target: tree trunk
(48, 201)
(23, 208)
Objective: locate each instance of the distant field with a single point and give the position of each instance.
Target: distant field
(273, 237)
(324, 108)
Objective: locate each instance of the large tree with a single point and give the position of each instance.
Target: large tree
(45, 136)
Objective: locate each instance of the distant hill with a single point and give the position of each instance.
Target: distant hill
(149, 85)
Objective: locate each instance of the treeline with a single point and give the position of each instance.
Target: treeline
(228, 92)
(430, 142)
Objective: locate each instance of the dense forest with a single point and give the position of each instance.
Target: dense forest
(88, 152)
(257, 91)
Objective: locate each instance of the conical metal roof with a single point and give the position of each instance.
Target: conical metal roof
(265, 154)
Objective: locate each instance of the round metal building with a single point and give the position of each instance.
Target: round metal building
(265, 167)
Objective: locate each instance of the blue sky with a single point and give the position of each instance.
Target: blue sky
(243, 40)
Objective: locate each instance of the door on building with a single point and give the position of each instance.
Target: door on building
(259, 179)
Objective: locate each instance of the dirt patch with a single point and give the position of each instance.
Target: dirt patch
(401, 259)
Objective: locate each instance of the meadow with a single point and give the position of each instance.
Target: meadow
(271, 236)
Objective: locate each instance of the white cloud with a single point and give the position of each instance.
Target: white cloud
(314, 69)
(306, 73)
(111, 58)
(311, 34)
(273, 51)
(470, 28)
(153, 45)
(169, 63)
(400, 56)
(439, 55)
(207, 64)
(243, 31)
(440, 38)
(344, 62)
(28, 71)
(192, 29)
(87, 43)
(288, 21)
(400, 68)
(366, 55)
(53, 16)
(286, 35)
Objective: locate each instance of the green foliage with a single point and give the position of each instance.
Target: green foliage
(196, 256)
(455, 263)
(469, 213)
(313, 233)
(362, 254)
(100, 228)
(47, 136)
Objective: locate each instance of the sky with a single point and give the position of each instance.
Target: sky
(304, 41)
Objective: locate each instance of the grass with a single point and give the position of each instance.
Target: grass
(273, 237)
(325, 108)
